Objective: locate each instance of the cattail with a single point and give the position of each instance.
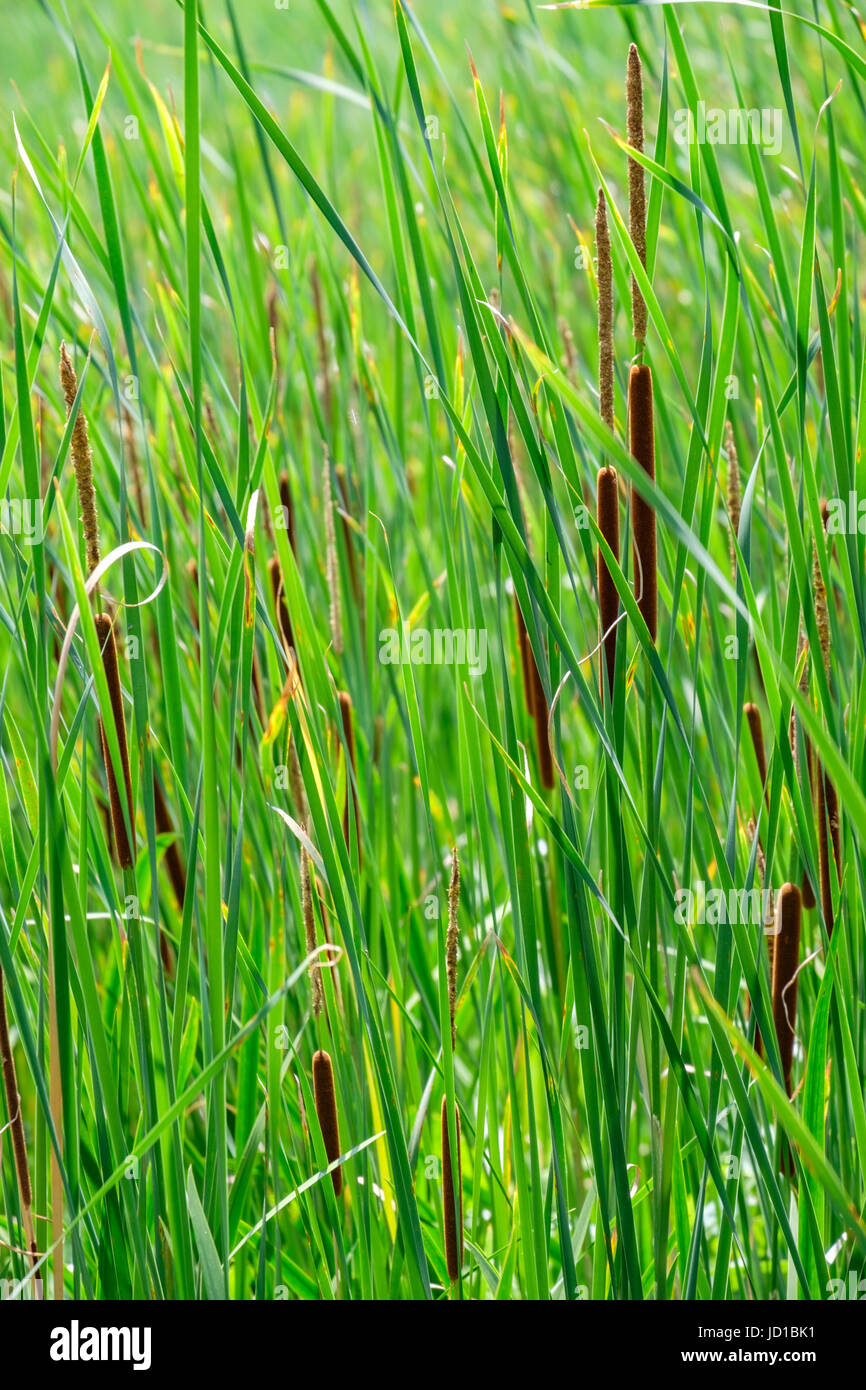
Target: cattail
(526, 658)
(605, 313)
(125, 845)
(173, 861)
(756, 730)
(769, 916)
(82, 461)
(452, 1201)
(174, 865)
(296, 782)
(608, 598)
(734, 498)
(786, 960)
(607, 504)
(345, 700)
(636, 189)
(16, 1125)
(284, 624)
(828, 818)
(541, 714)
(753, 719)
(335, 613)
(642, 446)
(451, 941)
(326, 1109)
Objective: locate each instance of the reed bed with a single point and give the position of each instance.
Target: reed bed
(450, 438)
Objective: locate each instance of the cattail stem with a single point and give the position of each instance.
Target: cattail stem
(608, 598)
(642, 447)
(326, 1109)
(124, 839)
(452, 1201)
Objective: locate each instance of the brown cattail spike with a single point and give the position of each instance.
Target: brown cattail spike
(541, 714)
(605, 313)
(642, 446)
(828, 834)
(452, 1202)
(451, 941)
(608, 598)
(82, 461)
(526, 657)
(326, 1109)
(173, 860)
(636, 188)
(786, 960)
(125, 845)
(351, 772)
(284, 624)
(756, 729)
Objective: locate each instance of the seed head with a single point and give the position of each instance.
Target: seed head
(82, 461)
(636, 187)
